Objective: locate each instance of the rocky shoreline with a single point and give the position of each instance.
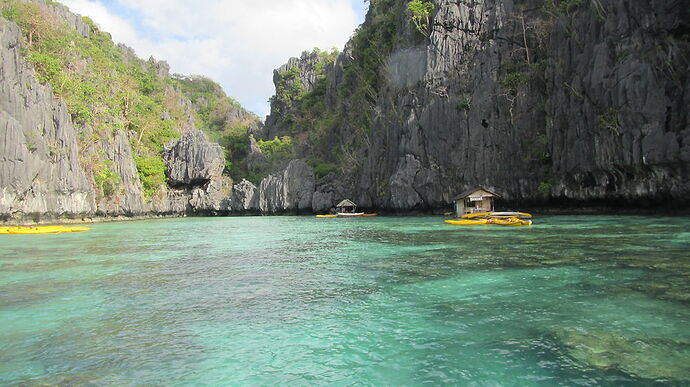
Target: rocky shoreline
(441, 213)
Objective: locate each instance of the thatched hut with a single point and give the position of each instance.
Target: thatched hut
(475, 200)
(346, 205)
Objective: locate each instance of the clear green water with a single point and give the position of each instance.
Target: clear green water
(377, 301)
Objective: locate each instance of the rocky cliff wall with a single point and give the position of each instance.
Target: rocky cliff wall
(47, 174)
(543, 101)
(48, 170)
(40, 172)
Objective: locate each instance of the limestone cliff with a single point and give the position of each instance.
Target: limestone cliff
(59, 162)
(544, 101)
(142, 157)
(40, 172)
(547, 102)
(288, 191)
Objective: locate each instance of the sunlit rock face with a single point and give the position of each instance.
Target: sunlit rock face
(47, 162)
(193, 160)
(40, 173)
(544, 104)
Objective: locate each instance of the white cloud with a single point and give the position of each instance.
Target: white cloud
(116, 26)
(236, 42)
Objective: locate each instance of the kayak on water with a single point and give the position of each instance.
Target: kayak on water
(41, 229)
(497, 221)
(507, 214)
(346, 215)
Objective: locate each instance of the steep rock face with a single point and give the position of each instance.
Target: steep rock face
(541, 102)
(40, 172)
(289, 191)
(245, 198)
(65, 14)
(302, 80)
(193, 160)
(212, 198)
(194, 166)
(128, 199)
(50, 169)
(587, 116)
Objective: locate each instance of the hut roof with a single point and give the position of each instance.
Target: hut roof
(346, 203)
(473, 190)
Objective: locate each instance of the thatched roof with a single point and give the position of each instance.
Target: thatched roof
(346, 203)
(473, 190)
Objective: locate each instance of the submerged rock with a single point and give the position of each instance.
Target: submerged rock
(651, 358)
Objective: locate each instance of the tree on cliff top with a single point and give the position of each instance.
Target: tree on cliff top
(420, 11)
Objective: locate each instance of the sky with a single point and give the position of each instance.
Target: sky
(237, 43)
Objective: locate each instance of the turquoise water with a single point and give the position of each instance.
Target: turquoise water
(377, 301)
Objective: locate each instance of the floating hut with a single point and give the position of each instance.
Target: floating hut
(346, 206)
(475, 200)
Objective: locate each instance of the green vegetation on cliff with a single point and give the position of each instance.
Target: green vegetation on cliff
(222, 118)
(420, 14)
(331, 123)
(106, 89)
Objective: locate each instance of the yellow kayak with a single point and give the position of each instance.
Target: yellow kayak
(41, 229)
(497, 221)
(467, 222)
(497, 215)
(510, 222)
(346, 215)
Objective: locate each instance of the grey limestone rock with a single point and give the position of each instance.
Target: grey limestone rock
(128, 199)
(409, 177)
(44, 174)
(245, 197)
(584, 105)
(289, 191)
(308, 77)
(74, 20)
(193, 160)
(213, 198)
(323, 200)
(162, 67)
(40, 171)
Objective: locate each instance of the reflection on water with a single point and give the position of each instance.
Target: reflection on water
(275, 300)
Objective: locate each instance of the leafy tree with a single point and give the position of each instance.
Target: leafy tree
(107, 180)
(420, 12)
(152, 173)
(277, 148)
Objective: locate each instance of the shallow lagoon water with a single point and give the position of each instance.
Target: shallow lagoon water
(572, 300)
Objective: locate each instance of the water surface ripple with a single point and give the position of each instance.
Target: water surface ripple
(379, 301)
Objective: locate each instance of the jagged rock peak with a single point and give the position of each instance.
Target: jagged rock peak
(193, 160)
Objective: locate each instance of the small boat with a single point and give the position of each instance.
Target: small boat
(345, 209)
(41, 229)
